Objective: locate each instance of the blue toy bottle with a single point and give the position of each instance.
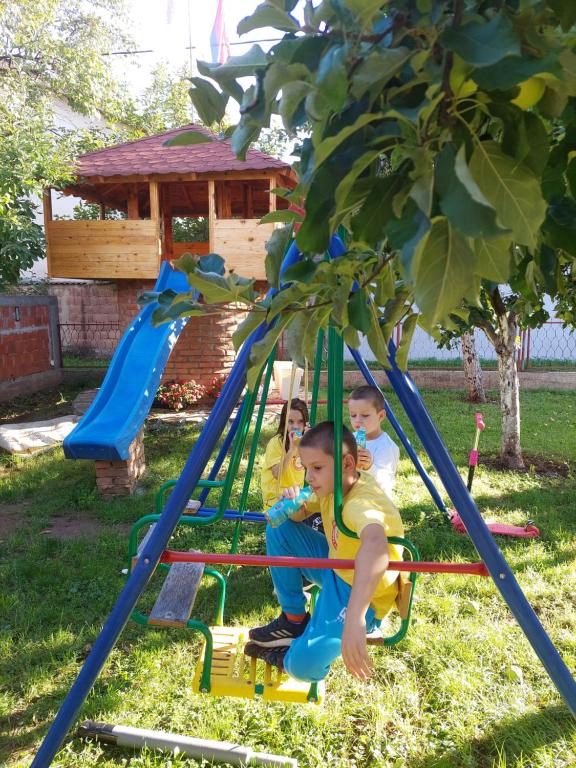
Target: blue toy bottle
(360, 438)
(285, 508)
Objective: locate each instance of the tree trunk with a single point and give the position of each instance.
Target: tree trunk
(472, 370)
(510, 450)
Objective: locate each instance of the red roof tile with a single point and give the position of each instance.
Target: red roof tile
(149, 155)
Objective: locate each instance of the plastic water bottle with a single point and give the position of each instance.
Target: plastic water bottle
(360, 438)
(285, 508)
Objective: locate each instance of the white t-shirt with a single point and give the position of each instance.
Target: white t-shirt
(385, 458)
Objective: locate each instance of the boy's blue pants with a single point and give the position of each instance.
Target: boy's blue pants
(310, 655)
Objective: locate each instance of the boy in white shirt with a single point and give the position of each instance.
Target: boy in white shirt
(381, 455)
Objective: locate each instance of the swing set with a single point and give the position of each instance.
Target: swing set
(223, 669)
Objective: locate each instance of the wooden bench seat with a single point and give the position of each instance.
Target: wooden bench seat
(174, 604)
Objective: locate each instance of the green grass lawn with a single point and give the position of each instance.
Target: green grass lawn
(464, 690)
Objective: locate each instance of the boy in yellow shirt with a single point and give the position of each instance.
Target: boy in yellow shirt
(350, 602)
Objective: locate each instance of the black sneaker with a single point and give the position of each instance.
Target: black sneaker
(272, 656)
(278, 633)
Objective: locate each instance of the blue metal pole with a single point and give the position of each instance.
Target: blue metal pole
(401, 434)
(482, 538)
(149, 558)
(223, 450)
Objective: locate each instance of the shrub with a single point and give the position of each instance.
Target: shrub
(177, 395)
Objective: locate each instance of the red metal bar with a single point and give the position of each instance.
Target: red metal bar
(173, 556)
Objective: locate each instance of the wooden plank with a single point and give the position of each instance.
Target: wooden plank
(106, 228)
(174, 604)
(133, 207)
(199, 248)
(273, 185)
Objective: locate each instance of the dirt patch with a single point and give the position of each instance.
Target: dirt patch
(12, 516)
(80, 527)
(538, 466)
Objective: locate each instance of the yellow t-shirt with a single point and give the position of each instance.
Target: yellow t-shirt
(365, 504)
(290, 476)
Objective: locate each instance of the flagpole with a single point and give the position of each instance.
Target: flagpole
(191, 58)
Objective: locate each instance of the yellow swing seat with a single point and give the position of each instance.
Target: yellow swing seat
(234, 674)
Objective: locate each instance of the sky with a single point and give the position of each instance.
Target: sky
(162, 25)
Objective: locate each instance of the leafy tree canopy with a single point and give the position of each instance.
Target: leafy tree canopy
(442, 136)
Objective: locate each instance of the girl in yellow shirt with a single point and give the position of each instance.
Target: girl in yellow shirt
(284, 461)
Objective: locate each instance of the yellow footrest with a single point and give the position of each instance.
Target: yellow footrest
(234, 674)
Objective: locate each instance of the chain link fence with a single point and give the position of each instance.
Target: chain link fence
(89, 345)
(551, 347)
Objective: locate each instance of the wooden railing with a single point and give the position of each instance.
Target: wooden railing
(241, 243)
(103, 249)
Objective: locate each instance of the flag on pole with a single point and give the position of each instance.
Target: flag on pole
(218, 38)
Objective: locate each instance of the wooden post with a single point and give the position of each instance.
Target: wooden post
(155, 213)
(133, 210)
(47, 207)
(102, 212)
(168, 244)
(272, 197)
(211, 214)
(248, 200)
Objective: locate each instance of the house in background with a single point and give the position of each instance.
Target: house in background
(152, 184)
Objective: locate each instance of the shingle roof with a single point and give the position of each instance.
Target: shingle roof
(143, 157)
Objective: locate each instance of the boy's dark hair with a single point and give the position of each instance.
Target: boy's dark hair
(322, 436)
(372, 394)
(295, 405)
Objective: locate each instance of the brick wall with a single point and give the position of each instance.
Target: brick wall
(29, 350)
(204, 349)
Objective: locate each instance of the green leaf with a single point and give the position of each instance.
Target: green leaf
(408, 328)
(369, 224)
(212, 262)
(210, 103)
(565, 11)
(494, 259)
(364, 10)
(284, 215)
(482, 44)
(377, 341)
(443, 270)
(460, 197)
(332, 77)
(339, 311)
(351, 337)
(376, 69)
(276, 248)
(236, 66)
(245, 328)
(571, 176)
(188, 138)
(385, 285)
(304, 271)
(359, 311)
(260, 351)
(512, 190)
(266, 15)
(513, 70)
(326, 147)
(293, 94)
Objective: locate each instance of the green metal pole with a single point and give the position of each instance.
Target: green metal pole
(316, 381)
(253, 450)
(336, 364)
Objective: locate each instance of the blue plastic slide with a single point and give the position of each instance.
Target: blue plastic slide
(126, 395)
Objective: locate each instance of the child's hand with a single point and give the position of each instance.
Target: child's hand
(291, 492)
(364, 458)
(354, 652)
